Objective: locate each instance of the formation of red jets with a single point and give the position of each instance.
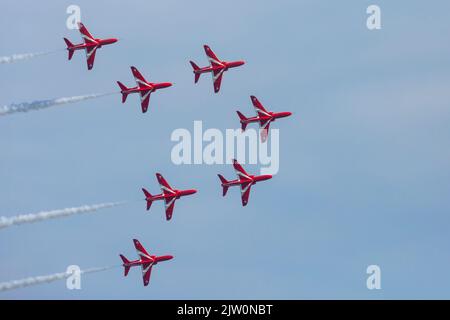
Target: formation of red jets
(168, 194)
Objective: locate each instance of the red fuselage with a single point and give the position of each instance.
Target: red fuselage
(271, 117)
(178, 194)
(150, 86)
(253, 179)
(153, 259)
(98, 43)
(224, 65)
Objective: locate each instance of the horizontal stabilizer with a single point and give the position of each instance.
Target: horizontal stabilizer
(125, 265)
(242, 119)
(69, 47)
(196, 74)
(68, 43)
(224, 186)
(148, 197)
(123, 90)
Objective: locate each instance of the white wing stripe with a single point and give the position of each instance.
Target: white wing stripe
(244, 190)
(87, 38)
(164, 188)
(89, 53)
(258, 110)
(168, 204)
(141, 82)
(143, 254)
(144, 270)
(218, 75)
(211, 60)
(240, 174)
(143, 97)
(264, 126)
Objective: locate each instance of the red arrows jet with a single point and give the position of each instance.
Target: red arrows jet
(217, 68)
(144, 88)
(244, 180)
(90, 44)
(146, 261)
(169, 195)
(263, 116)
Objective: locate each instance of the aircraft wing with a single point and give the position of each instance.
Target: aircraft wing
(264, 129)
(146, 272)
(212, 57)
(145, 99)
(260, 110)
(217, 79)
(241, 173)
(245, 192)
(140, 250)
(90, 56)
(87, 37)
(170, 204)
(140, 80)
(165, 187)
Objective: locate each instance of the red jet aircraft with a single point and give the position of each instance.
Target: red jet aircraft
(244, 180)
(90, 44)
(263, 116)
(144, 88)
(169, 195)
(146, 261)
(217, 68)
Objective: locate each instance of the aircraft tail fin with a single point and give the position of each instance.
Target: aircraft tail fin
(123, 90)
(223, 181)
(196, 68)
(242, 119)
(69, 47)
(148, 196)
(125, 266)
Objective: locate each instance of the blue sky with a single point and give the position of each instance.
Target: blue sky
(364, 175)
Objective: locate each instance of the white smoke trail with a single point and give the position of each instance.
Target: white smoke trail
(45, 215)
(23, 56)
(41, 104)
(31, 281)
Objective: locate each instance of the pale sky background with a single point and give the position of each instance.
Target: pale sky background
(364, 175)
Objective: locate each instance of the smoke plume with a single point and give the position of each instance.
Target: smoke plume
(41, 104)
(23, 56)
(46, 215)
(31, 281)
